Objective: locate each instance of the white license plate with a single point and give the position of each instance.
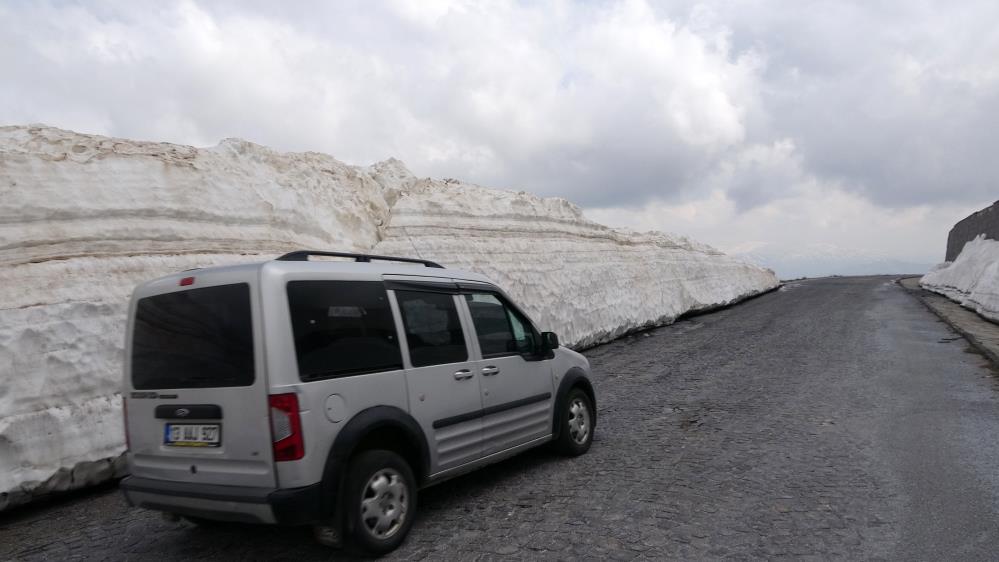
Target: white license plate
(192, 435)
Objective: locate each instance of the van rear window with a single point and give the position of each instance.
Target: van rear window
(342, 328)
(200, 338)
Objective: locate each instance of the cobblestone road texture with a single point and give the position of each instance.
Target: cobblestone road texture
(835, 418)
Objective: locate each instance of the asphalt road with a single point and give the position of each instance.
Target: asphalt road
(835, 418)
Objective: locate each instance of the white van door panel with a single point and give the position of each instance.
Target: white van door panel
(516, 386)
(520, 392)
(444, 390)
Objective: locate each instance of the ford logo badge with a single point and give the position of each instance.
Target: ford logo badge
(182, 412)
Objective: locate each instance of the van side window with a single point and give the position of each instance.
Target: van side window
(500, 329)
(433, 329)
(342, 328)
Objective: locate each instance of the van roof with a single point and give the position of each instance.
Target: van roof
(303, 255)
(377, 267)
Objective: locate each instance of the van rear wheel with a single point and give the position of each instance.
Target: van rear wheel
(380, 500)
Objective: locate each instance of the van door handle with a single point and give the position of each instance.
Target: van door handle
(463, 374)
(490, 371)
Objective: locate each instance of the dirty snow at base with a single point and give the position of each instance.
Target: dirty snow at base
(85, 218)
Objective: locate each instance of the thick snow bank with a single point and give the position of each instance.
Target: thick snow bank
(972, 279)
(84, 218)
(587, 282)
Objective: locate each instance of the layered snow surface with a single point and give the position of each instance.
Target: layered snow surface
(972, 279)
(85, 218)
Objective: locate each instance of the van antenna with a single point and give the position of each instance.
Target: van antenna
(413, 244)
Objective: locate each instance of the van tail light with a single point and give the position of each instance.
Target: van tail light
(286, 427)
(124, 417)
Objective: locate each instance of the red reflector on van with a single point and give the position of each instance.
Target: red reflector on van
(187, 281)
(286, 427)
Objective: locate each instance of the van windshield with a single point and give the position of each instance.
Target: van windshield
(198, 338)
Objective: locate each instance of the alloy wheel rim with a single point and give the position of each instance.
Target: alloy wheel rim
(384, 504)
(579, 421)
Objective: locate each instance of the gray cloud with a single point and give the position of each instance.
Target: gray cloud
(613, 105)
(561, 99)
(894, 100)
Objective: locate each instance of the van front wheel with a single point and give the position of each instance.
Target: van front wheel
(576, 418)
(380, 500)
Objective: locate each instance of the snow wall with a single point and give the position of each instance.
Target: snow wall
(972, 279)
(85, 218)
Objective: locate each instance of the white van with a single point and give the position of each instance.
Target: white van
(326, 393)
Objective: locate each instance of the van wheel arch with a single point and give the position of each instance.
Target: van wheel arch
(574, 378)
(378, 427)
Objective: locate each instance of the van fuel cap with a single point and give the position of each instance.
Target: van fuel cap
(336, 408)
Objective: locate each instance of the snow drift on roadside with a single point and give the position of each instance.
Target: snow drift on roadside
(84, 218)
(972, 279)
(587, 282)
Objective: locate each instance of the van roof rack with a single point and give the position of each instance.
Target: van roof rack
(303, 255)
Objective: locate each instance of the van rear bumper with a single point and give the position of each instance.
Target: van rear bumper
(296, 506)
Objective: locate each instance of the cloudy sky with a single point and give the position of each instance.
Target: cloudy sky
(861, 129)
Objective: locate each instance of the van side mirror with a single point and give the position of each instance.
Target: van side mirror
(549, 340)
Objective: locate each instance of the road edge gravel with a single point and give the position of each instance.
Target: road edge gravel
(982, 334)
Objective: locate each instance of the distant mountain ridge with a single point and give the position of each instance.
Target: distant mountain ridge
(823, 260)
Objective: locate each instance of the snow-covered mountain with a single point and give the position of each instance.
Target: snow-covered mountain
(823, 260)
(85, 218)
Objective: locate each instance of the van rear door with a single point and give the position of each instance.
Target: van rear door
(196, 391)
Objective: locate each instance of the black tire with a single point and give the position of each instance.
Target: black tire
(373, 470)
(569, 442)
